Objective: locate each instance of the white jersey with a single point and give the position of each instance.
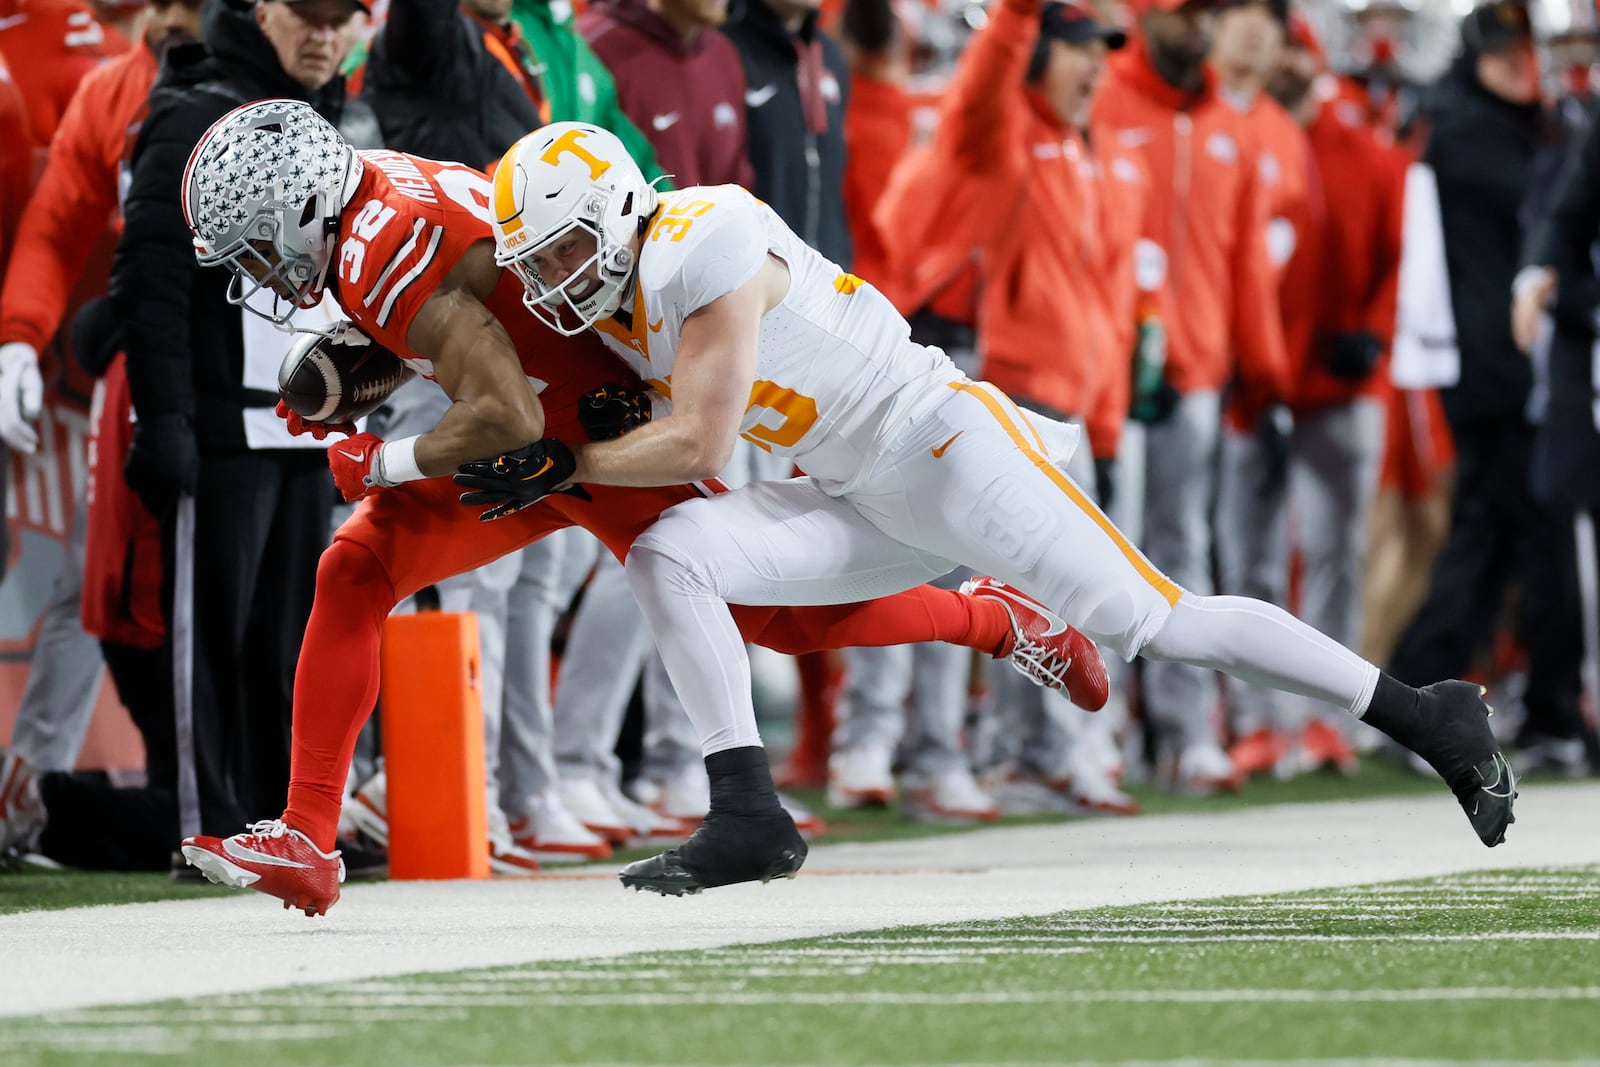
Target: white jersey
(837, 369)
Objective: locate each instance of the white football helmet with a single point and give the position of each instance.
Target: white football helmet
(563, 177)
(270, 176)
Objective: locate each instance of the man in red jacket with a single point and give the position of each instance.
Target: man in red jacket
(1012, 159)
(1337, 292)
(1204, 243)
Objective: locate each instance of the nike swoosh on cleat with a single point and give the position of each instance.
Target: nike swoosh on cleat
(250, 855)
(1057, 623)
(938, 452)
(1501, 767)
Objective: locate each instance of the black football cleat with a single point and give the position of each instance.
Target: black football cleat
(1457, 742)
(724, 850)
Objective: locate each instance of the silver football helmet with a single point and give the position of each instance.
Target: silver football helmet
(262, 194)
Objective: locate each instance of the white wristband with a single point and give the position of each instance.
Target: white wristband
(660, 406)
(397, 462)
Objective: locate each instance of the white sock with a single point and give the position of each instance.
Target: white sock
(1264, 645)
(700, 645)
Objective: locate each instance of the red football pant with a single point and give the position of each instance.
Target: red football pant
(406, 538)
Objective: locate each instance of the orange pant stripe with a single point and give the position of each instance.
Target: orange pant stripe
(1162, 584)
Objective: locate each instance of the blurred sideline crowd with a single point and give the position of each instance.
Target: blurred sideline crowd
(1330, 331)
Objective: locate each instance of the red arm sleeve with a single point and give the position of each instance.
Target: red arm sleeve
(1257, 326)
(985, 97)
(77, 194)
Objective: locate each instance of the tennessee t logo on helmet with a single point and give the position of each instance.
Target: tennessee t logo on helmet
(561, 180)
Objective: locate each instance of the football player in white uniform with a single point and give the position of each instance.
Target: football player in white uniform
(912, 468)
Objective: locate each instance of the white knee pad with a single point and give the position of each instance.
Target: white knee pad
(673, 551)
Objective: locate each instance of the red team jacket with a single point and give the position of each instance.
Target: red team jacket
(1208, 217)
(51, 45)
(16, 159)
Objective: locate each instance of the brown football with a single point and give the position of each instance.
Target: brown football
(338, 376)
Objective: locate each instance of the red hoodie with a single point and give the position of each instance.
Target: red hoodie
(51, 262)
(77, 193)
(688, 99)
(1207, 214)
(1351, 281)
(1008, 209)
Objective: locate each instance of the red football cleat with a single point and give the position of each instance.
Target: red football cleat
(1047, 651)
(275, 859)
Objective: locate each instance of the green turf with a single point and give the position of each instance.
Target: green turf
(32, 888)
(1477, 968)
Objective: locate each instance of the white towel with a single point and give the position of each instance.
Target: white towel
(1425, 355)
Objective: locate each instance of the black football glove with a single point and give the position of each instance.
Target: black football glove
(612, 410)
(1105, 482)
(1352, 356)
(163, 461)
(1277, 424)
(518, 479)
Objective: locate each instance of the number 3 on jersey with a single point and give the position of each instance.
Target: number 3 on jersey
(798, 412)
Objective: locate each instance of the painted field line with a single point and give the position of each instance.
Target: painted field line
(1187, 1061)
(1200, 939)
(420, 997)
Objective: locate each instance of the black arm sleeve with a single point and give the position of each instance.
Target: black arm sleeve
(419, 38)
(154, 266)
(868, 24)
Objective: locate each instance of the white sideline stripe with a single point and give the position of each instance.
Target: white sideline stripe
(1278, 909)
(1134, 938)
(1187, 1061)
(358, 1000)
(244, 943)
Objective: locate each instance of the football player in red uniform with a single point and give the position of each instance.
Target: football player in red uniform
(404, 244)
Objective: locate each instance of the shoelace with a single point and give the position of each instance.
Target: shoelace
(1038, 664)
(268, 828)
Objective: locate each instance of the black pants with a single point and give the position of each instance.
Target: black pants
(1499, 534)
(261, 522)
(95, 825)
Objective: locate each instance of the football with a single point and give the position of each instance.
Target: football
(338, 376)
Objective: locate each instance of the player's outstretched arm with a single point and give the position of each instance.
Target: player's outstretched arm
(495, 408)
(711, 380)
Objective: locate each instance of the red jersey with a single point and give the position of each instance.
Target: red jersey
(409, 223)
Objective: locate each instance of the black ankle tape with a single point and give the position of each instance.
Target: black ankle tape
(741, 781)
(1394, 711)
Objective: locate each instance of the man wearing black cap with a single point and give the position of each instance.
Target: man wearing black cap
(1487, 128)
(244, 508)
(1020, 228)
